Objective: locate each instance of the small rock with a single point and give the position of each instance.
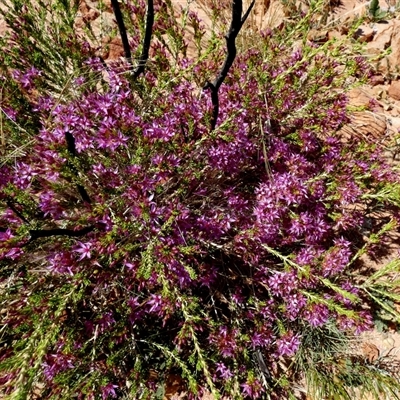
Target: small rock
(364, 34)
(388, 107)
(358, 97)
(395, 123)
(378, 93)
(112, 48)
(372, 51)
(317, 36)
(370, 352)
(382, 37)
(83, 7)
(3, 27)
(377, 80)
(394, 90)
(394, 56)
(388, 343)
(274, 15)
(91, 15)
(334, 34)
(108, 6)
(86, 14)
(174, 385)
(365, 126)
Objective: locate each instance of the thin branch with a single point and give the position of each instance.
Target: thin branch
(234, 29)
(72, 150)
(70, 144)
(122, 30)
(215, 103)
(16, 212)
(147, 39)
(41, 233)
(84, 194)
(246, 14)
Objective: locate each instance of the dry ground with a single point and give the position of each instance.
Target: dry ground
(384, 90)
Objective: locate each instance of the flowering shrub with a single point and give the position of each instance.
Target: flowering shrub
(136, 242)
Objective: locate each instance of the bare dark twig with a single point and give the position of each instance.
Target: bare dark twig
(72, 150)
(246, 14)
(16, 212)
(43, 233)
(70, 143)
(82, 191)
(122, 30)
(215, 103)
(147, 39)
(234, 29)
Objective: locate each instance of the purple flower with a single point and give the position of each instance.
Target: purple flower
(26, 79)
(156, 303)
(209, 276)
(308, 255)
(108, 390)
(50, 206)
(106, 321)
(84, 249)
(95, 64)
(14, 253)
(61, 263)
(5, 236)
(262, 338)
(317, 314)
(252, 388)
(55, 364)
(238, 297)
(79, 81)
(224, 372)
(294, 305)
(225, 340)
(238, 223)
(337, 258)
(283, 283)
(288, 344)
(24, 175)
(10, 113)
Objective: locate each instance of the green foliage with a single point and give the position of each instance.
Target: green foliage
(334, 370)
(155, 323)
(375, 11)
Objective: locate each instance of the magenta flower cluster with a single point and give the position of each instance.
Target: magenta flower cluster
(141, 234)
